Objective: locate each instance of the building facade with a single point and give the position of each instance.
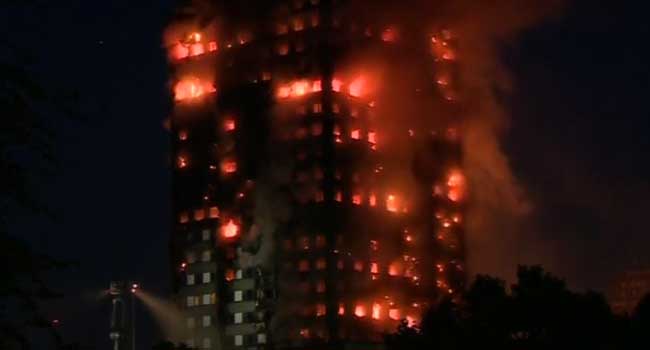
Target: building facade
(296, 223)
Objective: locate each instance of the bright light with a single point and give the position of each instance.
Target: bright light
(230, 229)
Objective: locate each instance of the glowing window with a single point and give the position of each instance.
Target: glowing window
(316, 86)
(181, 162)
(212, 46)
(358, 266)
(199, 214)
(355, 134)
(341, 309)
(360, 311)
(229, 124)
(394, 314)
(321, 310)
(228, 166)
(376, 311)
(282, 49)
(229, 275)
(339, 196)
(213, 212)
(183, 218)
(182, 135)
(298, 24)
(336, 85)
(374, 267)
(372, 137)
(357, 199)
(317, 108)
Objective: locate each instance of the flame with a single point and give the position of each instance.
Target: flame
(394, 314)
(376, 311)
(456, 186)
(229, 124)
(341, 309)
(356, 87)
(320, 310)
(391, 203)
(374, 267)
(355, 134)
(389, 35)
(228, 166)
(213, 212)
(336, 85)
(230, 229)
(372, 200)
(360, 311)
(182, 162)
(192, 88)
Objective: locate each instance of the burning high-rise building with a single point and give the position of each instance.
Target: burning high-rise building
(313, 207)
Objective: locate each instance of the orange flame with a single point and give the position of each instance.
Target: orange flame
(230, 230)
(192, 88)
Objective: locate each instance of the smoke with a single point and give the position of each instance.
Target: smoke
(167, 314)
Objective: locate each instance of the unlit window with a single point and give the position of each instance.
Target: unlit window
(239, 295)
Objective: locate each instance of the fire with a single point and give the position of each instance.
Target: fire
(391, 203)
(394, 314)
(182, 162)
(389, 35)
(376, 311)
(228, 166)
(374, 268)
(199, 214)
(229, 276)
(372, 137)
(229, 124)
(320, 310)
(357, 199)
(356, 87)
(395, 269)
(230, 229)
(355, 134)
(372, 200)
(192, 88)
(298, 88)
(336, 85)
(456, 186)
(341, 309)
(360, 311)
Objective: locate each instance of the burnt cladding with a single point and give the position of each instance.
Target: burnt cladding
(307, 211)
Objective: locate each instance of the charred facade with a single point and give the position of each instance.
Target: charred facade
(295, 222)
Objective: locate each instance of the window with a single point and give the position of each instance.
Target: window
(206, 256)
(207, 278)
(191, 258)
(261, 338)
(239, 340)
(192, 300)
(207, 321)
(206, 299)
(190, 322)
(190, 343)
(205, 234)
(317, 108)
(207, 344)
(190, 280)
(239, 318)
(239, 295)
(240, 274)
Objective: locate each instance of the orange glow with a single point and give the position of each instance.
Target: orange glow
(228, 166)
(284, 91)
(408, 238)
(320, 310)
(356, 87)
(336, 85)
(372, 137)
(183, 218)
(298, 24)
(338, 197)
(182, 162)
(341, 309)
(360, 311)
(197, 49)
(395, 269)
(182, 135)
(229, 124)
(191, 88)
(230, 229)
(456, 184)
(358, 266)
(355, 134)
(376, 311)
(316, 86)
(199, 214)
(180, 51)
(212, 46)
(374, 267)
(229, 275)
(372, 200)
(394, 314)
(299, 88)
(391, 203)
(389, 35)
(213, 212)
(357, 199)
(411, 321)
(321, 264)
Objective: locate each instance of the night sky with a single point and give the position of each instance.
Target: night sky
(578, 142)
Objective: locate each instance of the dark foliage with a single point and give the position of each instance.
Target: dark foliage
(539, 312)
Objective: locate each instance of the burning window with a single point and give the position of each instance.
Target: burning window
(191, 88)
(394, 314)
(282, 28)
(336, 85)
(320, 287)
(213, 212)
(355, 134)
(316, 86)
(196, 49)
(317, 108)
(229, 124)
(376, 311)
(181, 162)
(180, 51)
(357, 199)
(228, 166)
(229, 275)
(341, 309)
(338, 196)
(456, 186)
(372, 200)
(213, 46)
(299, 88)
(298, 24)
(358, 266)
(356, 87)
(182, 135)
(374, 268)
(303, 265)
(360, 311)
(199, 214)
(372, 137)
(391, 203)
(183, 218)
(320, 310)
(303, 242)
(395, 269)
(230, 230)
(389, 35)
(284, 91)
